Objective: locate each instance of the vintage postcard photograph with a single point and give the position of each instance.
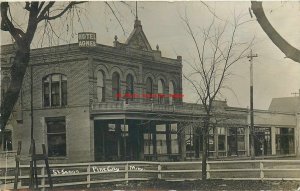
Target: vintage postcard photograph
(150, 95)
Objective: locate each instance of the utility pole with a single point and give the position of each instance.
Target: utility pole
(31, 104)
(251, 56)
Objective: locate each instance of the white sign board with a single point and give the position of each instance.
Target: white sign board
(87, 39)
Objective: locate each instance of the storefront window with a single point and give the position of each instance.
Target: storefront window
(262, 141)
(161, 139)
(285, 141)
(174, 139)
(124, 130)
(211, 142)
(241, 139)
(56, 136)
(111, 127)
(148, 143)
(221, 138)
(236, 141)
(189, 138)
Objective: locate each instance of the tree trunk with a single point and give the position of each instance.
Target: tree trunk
(205, 131)
(18, 70)
(204, 154)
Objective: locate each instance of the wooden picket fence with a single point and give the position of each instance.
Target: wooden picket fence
(87, 174)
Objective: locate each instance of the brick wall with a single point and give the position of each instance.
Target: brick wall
(77, 132)
(76, 113)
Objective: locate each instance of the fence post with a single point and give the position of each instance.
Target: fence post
(88, 178)
(261, 167)
(159, 171)
(43, 179)
(208, 170)
(126, 173)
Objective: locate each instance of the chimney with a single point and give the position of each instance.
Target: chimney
(179, 58)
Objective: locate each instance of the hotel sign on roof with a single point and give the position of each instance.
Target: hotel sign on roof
(87, 39)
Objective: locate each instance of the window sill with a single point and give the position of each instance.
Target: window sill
(55, 107)
(58, 158)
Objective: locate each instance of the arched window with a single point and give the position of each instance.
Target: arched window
(149, 87)
(171, 92)
(55, 90)
(116, 86)
(129, 87)
(100, 86)
(160, 91)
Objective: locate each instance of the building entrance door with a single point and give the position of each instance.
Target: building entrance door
(106, 139)
(115, 141)
(232, 142)
(262, 141)
(259, 143)
(232, 146)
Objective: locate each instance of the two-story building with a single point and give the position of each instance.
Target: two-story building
(124, 102)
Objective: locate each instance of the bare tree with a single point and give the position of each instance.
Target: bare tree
(39, 19)
(37, 12)
(290, 51)
(216, 52)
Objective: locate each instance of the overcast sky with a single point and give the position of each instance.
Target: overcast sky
(274, 75)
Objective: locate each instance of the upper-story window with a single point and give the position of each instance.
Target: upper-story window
(55, 90)
(149, 87)
(171, 92)
(100, 86)
(160, 91)
(129, 86)
(116, 86)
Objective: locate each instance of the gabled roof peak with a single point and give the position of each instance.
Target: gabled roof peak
(137, 39)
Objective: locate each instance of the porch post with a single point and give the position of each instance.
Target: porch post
(153, 129)
(141, 141)
(247, 133)
(216, 140)
(168, 138)
(297, 135)
(273, 140)
(92, 140)
(118, 132)
(182, 145)
(103, 129)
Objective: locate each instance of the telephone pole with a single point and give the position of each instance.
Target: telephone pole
(251, 56)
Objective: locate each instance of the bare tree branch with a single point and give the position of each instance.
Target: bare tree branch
(113, 12)
(45, 10)
(211, 11)
(7, 25)
(43, 14)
